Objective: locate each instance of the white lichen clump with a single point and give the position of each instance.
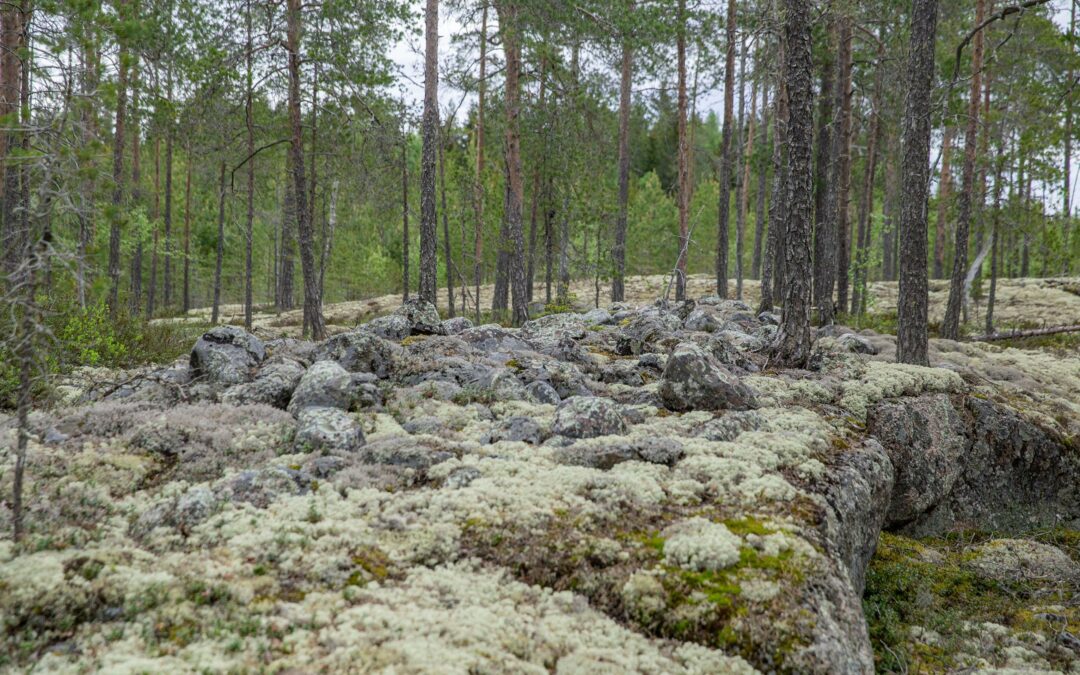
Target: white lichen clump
(701, 545)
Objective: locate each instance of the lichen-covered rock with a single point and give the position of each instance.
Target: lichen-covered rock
(262, 487)
(701, 321)
(643, 330)
(493, 338)
(925, 439)
(1014, 560)
(360, 352)
(857, 344)
(588, 417)
(693, 380)
(456, 325)
(325, 384)
(421, 316)
(542, 392)
(273, 385)
(604, 453)
(327, 429)
(390, 327)
(226, 355)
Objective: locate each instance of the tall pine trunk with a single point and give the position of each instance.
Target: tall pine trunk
(478, 197)
(824, 245)
(215, 312)
(950, 327)
(683, 189)
(842, 165)
(249, 124)
(727, 159)
(116, 217)
(944, 187)
(793, 341)
(510, 30)
(743, 191)
(618, 284)
(912, 338)
(429, 223)
(312, 301)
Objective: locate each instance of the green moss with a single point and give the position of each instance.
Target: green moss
(470, 395)
(929, 584)
(748, 525)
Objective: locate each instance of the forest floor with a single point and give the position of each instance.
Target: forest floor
(1021, 303)
(636, 490)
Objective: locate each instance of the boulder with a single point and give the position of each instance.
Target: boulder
(360, 352)
(456, 326)
(701, 321)
(273, 385)
(421, 316)
(694, 380)
(327, 429)
(925, 440)
(326, 385)
(227, 355)
(588, 417)
(856, 344)
(1014, 560)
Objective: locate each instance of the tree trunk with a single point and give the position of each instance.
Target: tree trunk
(824, 245)
(312, 301)
(1066, 211)
(478, 235)
(288, 239)
(727, 159)
(443, 139)
(170, 134)
(220, 246)
(118, 174)
(912, 338)
(866, 204)
(683, 189)
(510, 30)
(11, 29)
(405, 280)
(249, 123)
(743, 189)
(429, 221)
(762, 180)
(187, 231)
(943, 204)
(793, 341)
(618, 283)
(842, 166)
(950, 327)
(135, 295)
(328, 235)
(772, 273)
(537, 177)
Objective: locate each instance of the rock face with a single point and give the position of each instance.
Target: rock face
(693, 380)
(973, 461)
(360, 352)
(227, 355)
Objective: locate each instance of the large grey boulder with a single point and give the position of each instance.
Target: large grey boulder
(360, 352)
(326, 385)
(925, 440)
(227, 355)
(327, 429)
(422, 317)
(273, 385)
(694, 380)
(644, 330)
(456, 325)
(588, 417)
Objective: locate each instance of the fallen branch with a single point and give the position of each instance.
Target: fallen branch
(1035, 332)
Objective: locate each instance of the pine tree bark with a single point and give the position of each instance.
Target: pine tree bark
(950, 327)
(406, 280)
(170, 134)
(912, 336)
(944, 188)
(793, 341)
(286, 293)
(10, 98)
(478, 197)
(443, 142)
(249, 124)
(117, 174)
(618, 283)
(187, 230)
(510, 31)
(866, 203)
(429, 221)
(534, 213)
(214, 315)
(772, 272)
(312, 301)
(743, 189)
(824, 245)
(683, 189)
(727, 159)
(842, 165)
(762, 181)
